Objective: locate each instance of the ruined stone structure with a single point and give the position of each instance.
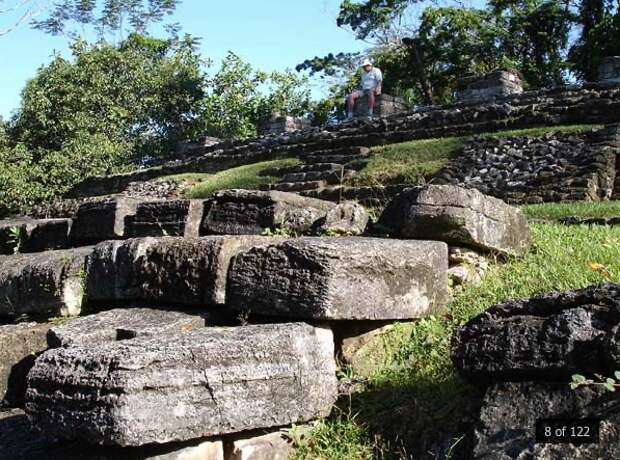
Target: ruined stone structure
(278, 123)
(609, 70)
(385, 105)
(487, 87)
(205, 344)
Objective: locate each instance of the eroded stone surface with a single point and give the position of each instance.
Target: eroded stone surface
(547, 337)
(166, 218)
(167, 270)
(102, 220)
(19, 346)
(121, 324)
(458, 216)
(45, 284)
(340, 278)
(20, 441)
(276, 445)
(348, 218)
(184, 386)
(506, 428)
(239, 212)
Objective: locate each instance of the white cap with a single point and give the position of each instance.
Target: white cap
(366, 62)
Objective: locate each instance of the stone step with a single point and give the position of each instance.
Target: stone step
(206, 382)
(294, 186)
(164, 271)
(301, 168)
(353, 150)
(238, 212)
(33, 235)
(331, 177)
(43, 285)
(338, 159)
(340, 279)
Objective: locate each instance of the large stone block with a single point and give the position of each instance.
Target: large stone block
(102, 220)
(548, 337)
(239, 212)
(609, 69)
(484, 87)
(166, 271)
(347, 218)
(458, 216)
(201, 383)
(20, 441)
(43, 285)
(166, 218)
(507, 425)
(121, 324)
(340, 278)
(278, 124)
(33, 235)
(385, 105)
(276, 445)
(19, 346)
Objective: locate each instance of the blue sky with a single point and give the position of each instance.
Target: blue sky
(270, 34)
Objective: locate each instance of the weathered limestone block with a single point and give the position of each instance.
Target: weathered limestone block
(167, 270)
(102, 220)
(20, 441)
(347, 218)
(385, 105)
(189, 385)
(276, 445)
(547, 337)
(340, 278)
(121, 324)
(33, 235)
(494, 84)
(19, 345)
(609, 70)
(458, 216)
(240, 212)
(44, 284)
(166, 218)
(506, 429)
(278, 124)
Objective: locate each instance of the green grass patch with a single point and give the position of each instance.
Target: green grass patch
(416, 399)
(245, 177)
(415, 162)
(555, 211)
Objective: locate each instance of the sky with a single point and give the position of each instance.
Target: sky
(270, 34)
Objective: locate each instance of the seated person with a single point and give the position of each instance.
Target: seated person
(372, 80)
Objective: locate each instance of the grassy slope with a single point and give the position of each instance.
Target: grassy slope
(417, 395)
(247, 177)
(415, 162)
(555, 211)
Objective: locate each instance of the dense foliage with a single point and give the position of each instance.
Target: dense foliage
(111, 107)
(422, 59)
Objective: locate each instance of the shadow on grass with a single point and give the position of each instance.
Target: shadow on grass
(423, 420)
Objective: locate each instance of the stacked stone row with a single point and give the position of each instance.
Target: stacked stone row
(162, 352)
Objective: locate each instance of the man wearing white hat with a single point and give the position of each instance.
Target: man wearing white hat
(372, 80)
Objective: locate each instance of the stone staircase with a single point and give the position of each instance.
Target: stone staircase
(320, 170)
(180, 331)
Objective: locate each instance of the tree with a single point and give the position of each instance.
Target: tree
(107, 108)
(239, 98)
(107, 17)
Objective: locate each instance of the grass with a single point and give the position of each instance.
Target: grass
(415, 162)
(555, 211)
(246, 177)
(415, 399)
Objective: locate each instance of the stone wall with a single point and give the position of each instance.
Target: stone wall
(384, 105)
(552, 167)
(592, 103)
(277, 124)
(609, 70)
